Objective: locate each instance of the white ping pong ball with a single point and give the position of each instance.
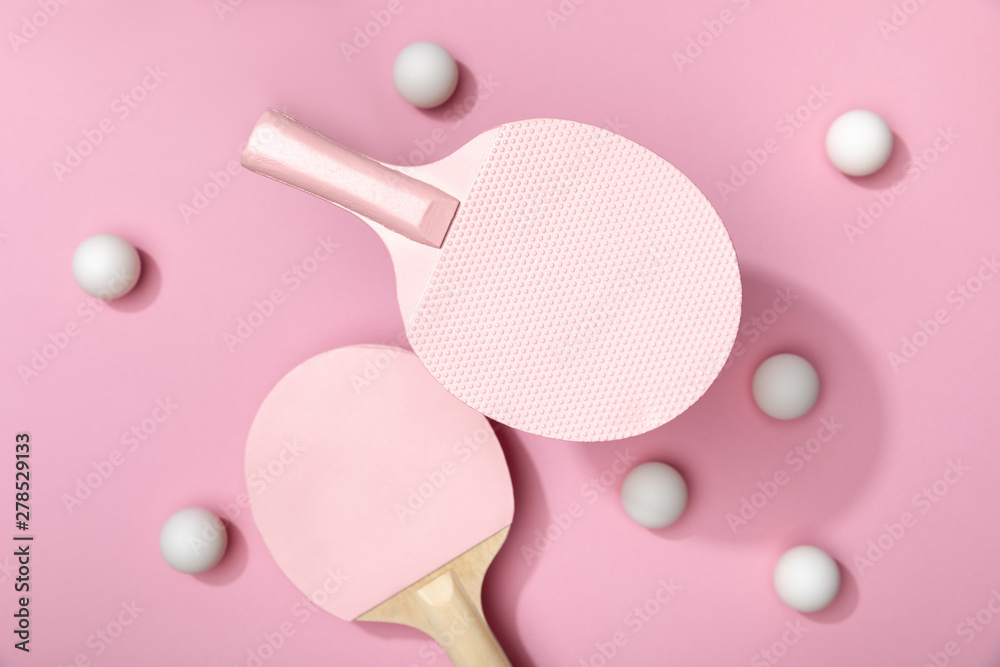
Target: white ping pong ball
(859, 143)
(425, 74)
(654, 494)
(193, 540)
(806, 578)
(106, 266)
(785, 386)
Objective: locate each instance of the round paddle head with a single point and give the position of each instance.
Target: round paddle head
(555, 276)
(365, 475)
(586, 289)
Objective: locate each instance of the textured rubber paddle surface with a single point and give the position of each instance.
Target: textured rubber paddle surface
(587, 290)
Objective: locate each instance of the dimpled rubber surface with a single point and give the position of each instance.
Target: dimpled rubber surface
(586, 291)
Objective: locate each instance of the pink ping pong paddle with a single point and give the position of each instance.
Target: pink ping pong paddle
(555, 276)
(397, 501)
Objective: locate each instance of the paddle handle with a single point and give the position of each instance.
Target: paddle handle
(286, 150)
(457, 624)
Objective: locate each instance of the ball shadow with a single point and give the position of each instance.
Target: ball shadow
(754, 478)
(687, 525)
(892, 172)
(233, 563)
(462, 102)
(145, 291)
(844, 604)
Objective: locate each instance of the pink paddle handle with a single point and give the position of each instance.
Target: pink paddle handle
(288, 151)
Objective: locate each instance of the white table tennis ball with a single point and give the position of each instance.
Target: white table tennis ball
(859, 143)
(654, 494)
(193, 540)
(106, 266)
(806, 578)
(425, 74)
(785, 386)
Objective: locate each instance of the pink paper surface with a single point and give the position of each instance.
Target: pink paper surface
(577, 581)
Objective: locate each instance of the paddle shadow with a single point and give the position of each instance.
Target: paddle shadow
(751, 477)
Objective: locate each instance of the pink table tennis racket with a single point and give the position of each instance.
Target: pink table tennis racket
(555, 276)
(396, 501)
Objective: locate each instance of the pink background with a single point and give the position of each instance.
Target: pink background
(608, 63)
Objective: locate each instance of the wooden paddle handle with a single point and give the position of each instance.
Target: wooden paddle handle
(286, 150)
(457, 624)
